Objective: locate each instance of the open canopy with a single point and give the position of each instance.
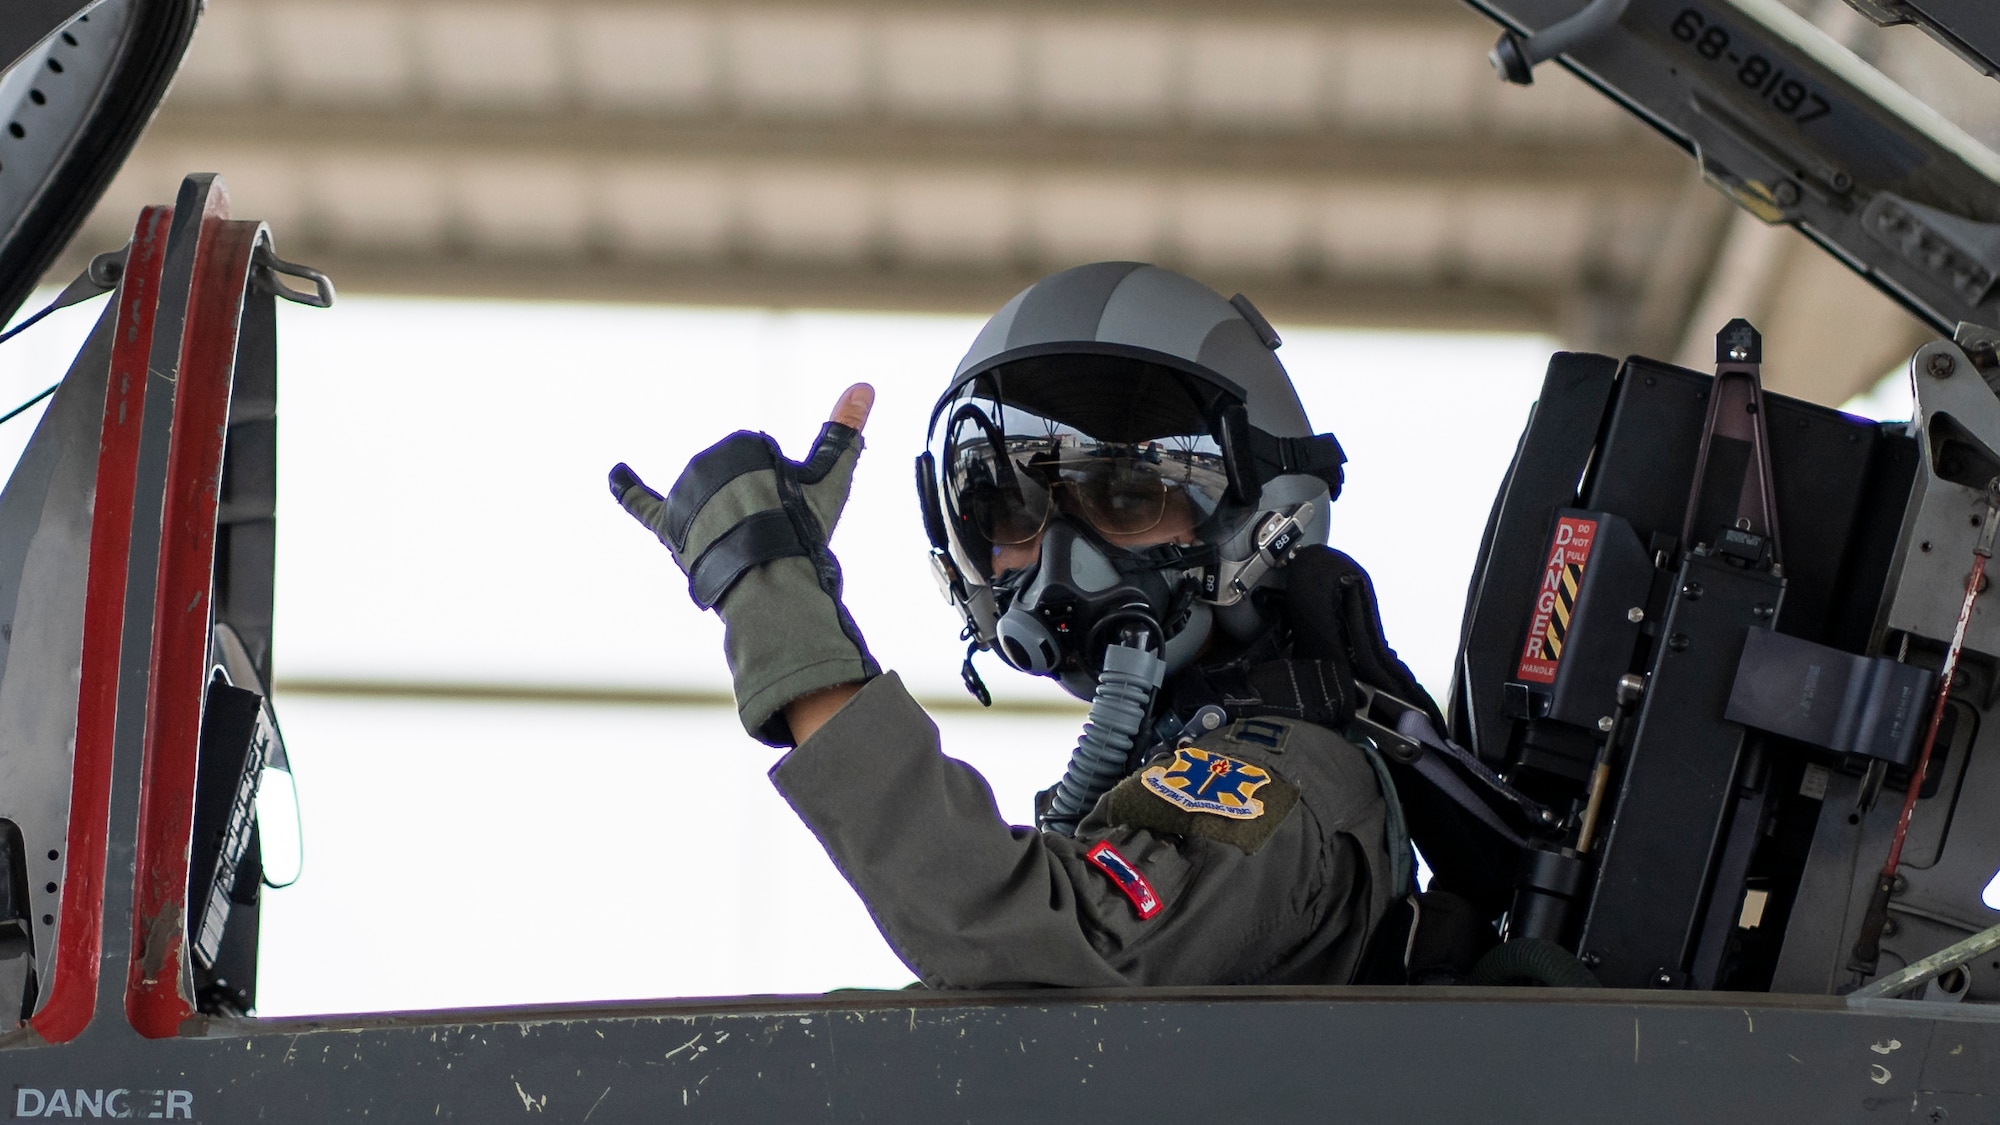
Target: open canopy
(1799, 130)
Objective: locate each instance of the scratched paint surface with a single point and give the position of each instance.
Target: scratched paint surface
(922, 1057)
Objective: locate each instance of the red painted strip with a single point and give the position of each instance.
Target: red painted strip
(1973, 582)
(154, 999)
(71, 1000)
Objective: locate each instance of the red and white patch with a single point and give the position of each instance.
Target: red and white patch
(1105, 858)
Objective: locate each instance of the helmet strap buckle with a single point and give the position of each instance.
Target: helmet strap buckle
(1277, 539)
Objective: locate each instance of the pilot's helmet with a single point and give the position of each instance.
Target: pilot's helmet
(1114, 458)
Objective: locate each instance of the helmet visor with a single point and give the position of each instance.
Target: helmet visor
(1155, 474)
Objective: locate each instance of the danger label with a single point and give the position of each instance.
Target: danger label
(1555, 600)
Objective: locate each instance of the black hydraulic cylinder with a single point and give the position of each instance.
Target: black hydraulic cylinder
(1545, 896)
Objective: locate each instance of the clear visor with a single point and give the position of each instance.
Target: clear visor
(1007, 471)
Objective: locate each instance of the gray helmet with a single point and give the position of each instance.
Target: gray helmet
(1094, 401)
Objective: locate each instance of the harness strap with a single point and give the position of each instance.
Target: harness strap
(1435, 764)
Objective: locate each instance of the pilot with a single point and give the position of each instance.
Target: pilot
(1123, 493)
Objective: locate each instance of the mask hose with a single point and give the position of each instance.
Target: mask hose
(1118, 709)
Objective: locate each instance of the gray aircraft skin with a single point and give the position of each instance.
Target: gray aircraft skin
(1735, 560)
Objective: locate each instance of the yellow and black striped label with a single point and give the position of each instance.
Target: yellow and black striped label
(1555, 599)
(1558, 627)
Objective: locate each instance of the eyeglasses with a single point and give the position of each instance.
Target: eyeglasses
(1115, 495)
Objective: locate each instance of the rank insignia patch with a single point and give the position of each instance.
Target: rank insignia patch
(1206, 782)
(1105, 858)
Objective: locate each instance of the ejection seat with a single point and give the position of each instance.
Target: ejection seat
(1703, 629)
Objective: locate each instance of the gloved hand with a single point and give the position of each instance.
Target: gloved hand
(750, 529)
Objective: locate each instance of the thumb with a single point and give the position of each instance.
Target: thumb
(852, 409)
(638, 498)
(624, 480)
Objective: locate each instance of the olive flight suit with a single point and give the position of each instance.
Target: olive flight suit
(1259, 854)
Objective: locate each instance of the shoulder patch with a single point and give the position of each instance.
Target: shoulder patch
(1134, 803)
(1128, 878)
(1203, 781)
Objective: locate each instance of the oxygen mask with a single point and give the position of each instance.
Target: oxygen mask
(1074, 600)
(1095, 617)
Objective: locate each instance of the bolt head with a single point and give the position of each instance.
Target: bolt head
(1942, 365)
(1604, 724)
(1635, 615)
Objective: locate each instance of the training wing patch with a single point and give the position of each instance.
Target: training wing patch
(1203, 781)
(1105, 858)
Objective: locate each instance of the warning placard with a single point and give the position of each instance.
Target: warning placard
(1555, 600)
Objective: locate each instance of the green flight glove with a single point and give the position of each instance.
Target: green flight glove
(750, 529)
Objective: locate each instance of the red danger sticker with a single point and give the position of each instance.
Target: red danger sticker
(1555, 600)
